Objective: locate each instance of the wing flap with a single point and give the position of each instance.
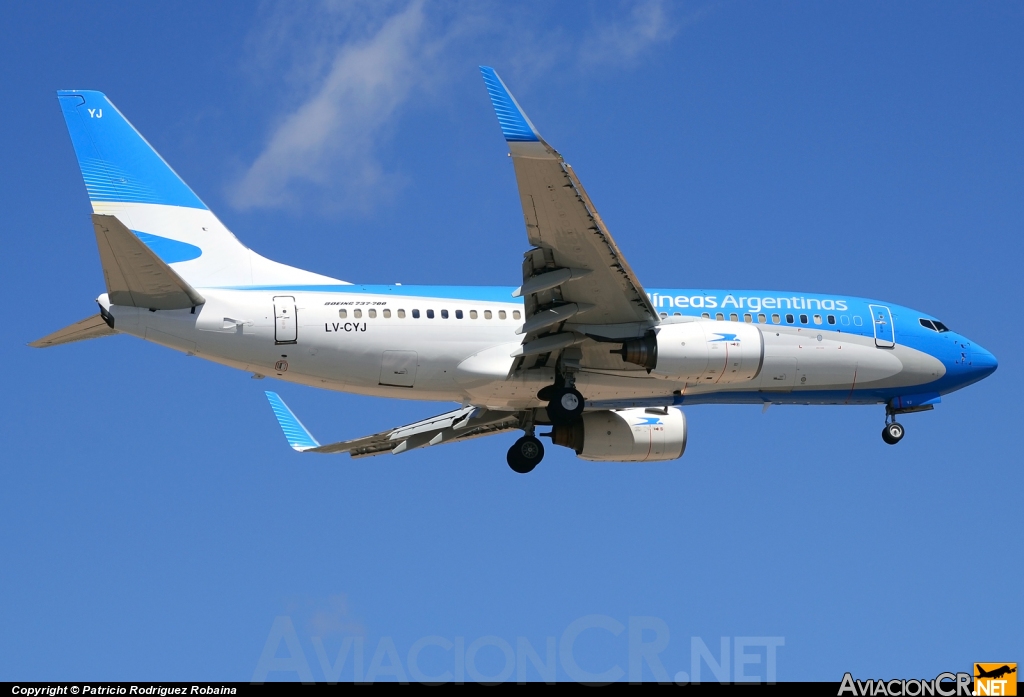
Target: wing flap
(459, 425)
(134, 274)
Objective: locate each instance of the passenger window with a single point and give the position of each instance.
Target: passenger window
(761, 318)
(444, 314)
(487, 314)
(663, 315)
(502, 315)
(733, 317)
(789, 319)
(472, 314)
(343, 313)
(719, 316)
(458, 314)
(803, 319)
(401, 314)
(927, 324)
(747, 318)
(706, 315)
(817, 319)
(831, 319)
(776, 319)
(415, 314)
(387, 314)
(357, 313)
(430, 314)
(372, 313)
(843, 319)
(516, 314)
(858, 320)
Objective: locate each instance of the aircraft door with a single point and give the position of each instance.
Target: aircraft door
(285, 320)
(398, 368)
(881, 320)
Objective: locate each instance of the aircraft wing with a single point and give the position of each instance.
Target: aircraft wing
(458, 425)
(575, 274)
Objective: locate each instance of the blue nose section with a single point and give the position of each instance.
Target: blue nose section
(983, 363)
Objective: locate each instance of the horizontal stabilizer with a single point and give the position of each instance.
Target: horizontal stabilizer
(90, 328)
(298, 437)
(135, 275)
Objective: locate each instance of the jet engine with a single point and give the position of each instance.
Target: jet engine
(700, 352)
(625, 435)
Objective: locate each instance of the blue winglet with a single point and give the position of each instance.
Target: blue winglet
(515, 126)
(298, 437)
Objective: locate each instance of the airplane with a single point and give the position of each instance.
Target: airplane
(580, 346)
(996, 672)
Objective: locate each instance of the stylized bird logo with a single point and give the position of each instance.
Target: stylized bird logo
(725, 337)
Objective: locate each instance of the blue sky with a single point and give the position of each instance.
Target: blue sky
(153, 522)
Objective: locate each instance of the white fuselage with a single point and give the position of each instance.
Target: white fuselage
(374, 345)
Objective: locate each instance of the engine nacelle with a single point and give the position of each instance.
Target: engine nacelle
(625, 435)
(703, 352)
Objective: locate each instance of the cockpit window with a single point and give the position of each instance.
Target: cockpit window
(934, 325)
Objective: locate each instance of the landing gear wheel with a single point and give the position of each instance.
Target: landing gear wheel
(525, 454)
(566, 406)
(892, 433)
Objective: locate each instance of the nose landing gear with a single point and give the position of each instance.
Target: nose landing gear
(892, 433)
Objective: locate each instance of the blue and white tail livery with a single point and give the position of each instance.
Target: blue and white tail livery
(580, 346)
(127, 178)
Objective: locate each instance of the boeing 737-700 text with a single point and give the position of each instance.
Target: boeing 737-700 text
(580, 346)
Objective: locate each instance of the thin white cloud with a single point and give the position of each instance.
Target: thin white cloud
(349, 68)
(648, 24)
(327, 143)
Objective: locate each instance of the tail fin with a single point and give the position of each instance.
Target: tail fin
(127, 178)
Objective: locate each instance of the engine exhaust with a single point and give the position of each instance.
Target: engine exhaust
(642, 352)
(569, 435)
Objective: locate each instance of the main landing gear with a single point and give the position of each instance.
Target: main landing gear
(565, 403)
(565, 406)
(525, 454)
